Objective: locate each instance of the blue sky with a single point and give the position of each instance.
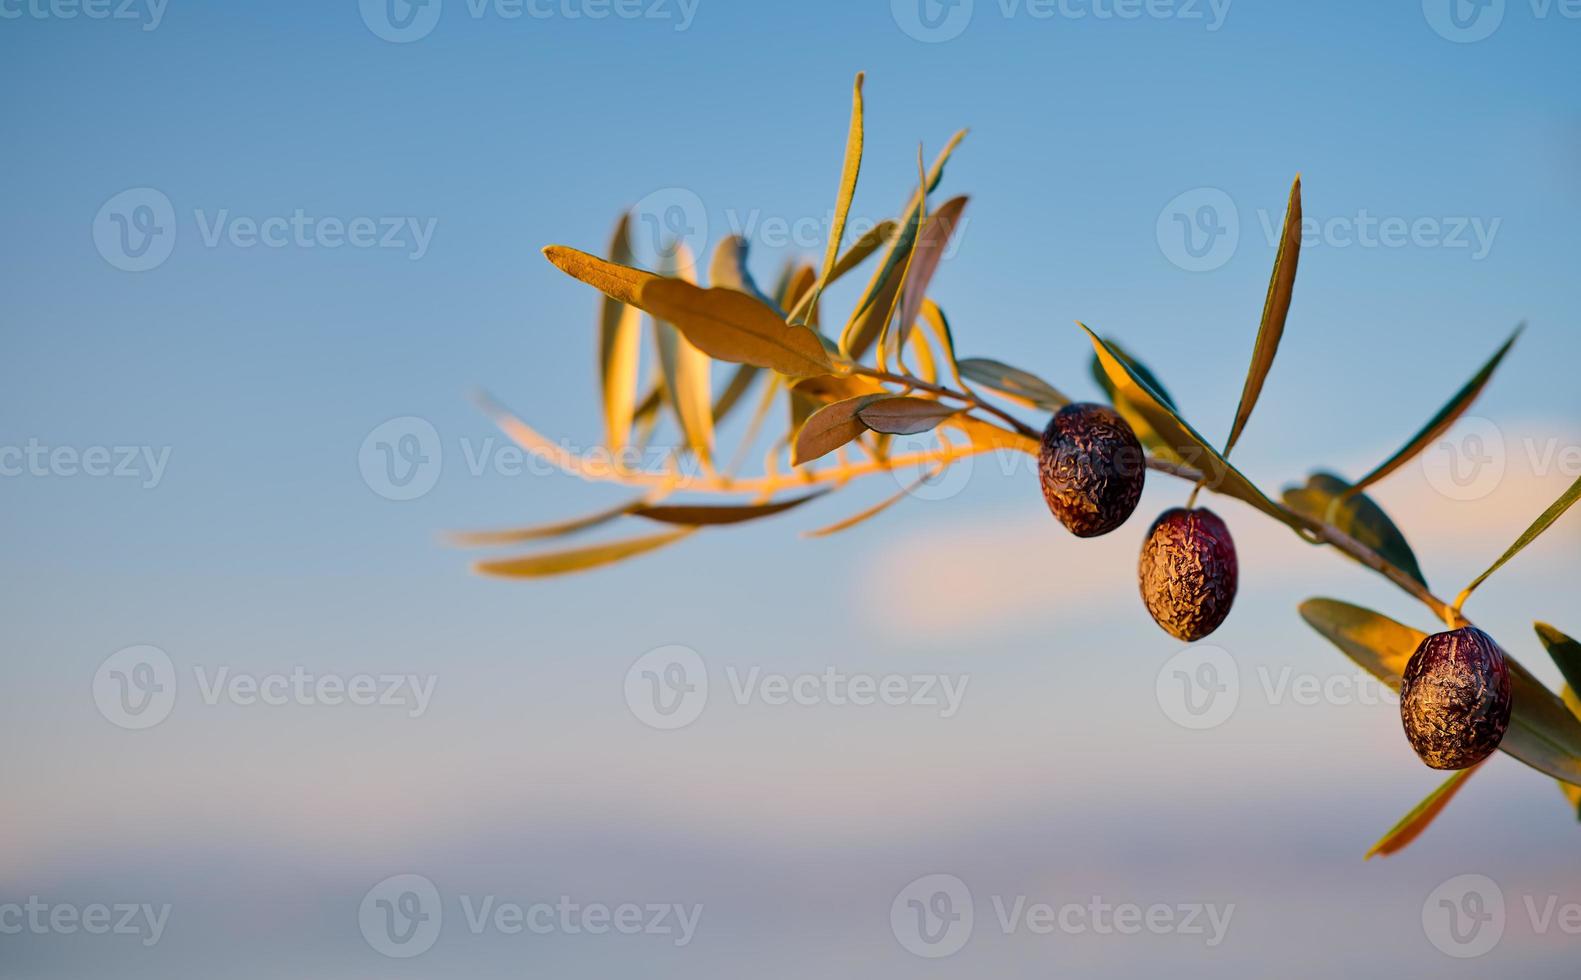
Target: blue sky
(255, 372)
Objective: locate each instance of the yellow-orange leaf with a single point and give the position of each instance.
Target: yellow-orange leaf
(735, 327)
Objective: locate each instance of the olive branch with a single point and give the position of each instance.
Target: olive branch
(844, 414)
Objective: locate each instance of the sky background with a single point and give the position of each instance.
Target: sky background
(261, 545)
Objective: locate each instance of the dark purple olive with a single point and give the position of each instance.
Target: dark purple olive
(1188, 572)
(1455, 698)
(1092, 469)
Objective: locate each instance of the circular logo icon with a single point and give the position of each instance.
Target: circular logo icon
(1199, 230)
(669, 229)
(932, 21)
(926, 481)
(1199, 687)
(1467, 462)
(1464, 21)
(932, 916)
(400, 916)
(135, 230)
(667, 688)
(1464, 917)
(400, 21)
(401, 459)
(135, 688)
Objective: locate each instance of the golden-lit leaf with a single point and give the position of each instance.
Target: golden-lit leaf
(1566, 653)
(739, 384)
(734, 327)
(836, 387)
(904, 415)
(1565, 502)
(1182, 438)
(849, 172)
(687, 371)
(803, 309)
(487, 539)
(1446, 417)
(1021, 387)
(613, 279)
(987, 436)
(580, 559)
(1325, 499)
(828, 429)
(728, 270)
(1151, 440)
(694, 515)
(1542, 733)
(933, 317)
(1412, 824)
(619, 341)
(1281, 286)
(875, 510)
(931, 246)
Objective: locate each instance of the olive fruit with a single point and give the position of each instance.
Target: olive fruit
(1455, 698)
(1188, 572)
(1092, 469)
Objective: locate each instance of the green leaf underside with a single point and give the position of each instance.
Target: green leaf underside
(1412, 824)
(1552, 514)
(1446, 417)
(580, 559)
(1276, 307)
(1542, 733)
(1566, 653)
(1022, 387)
(1359, 516)
(697, 515)
(1181, 437)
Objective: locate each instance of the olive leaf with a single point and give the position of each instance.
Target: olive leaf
(735, 327)
(1542, 733)
(904, 415)
(1357, 516)
(835, 387)
(616, 280)
(939, 326)
(1440, 423)
(1138, 369)
(1565, 652)
(1181, 437)
(875, 510)
(1543, 523)
(1412, 824)
(931, 246)
(803, 308)
(739, 384)
(849, 172)
(1276, 307)
(619, 343)
(1021, 387)
(829, 428)
(486, 539)
(872, 311)
(695, 515)
(892, 337)
(987, 436)
(728, 269)
(580, 559)
(687, 371)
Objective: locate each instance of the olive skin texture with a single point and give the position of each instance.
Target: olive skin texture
(1092, 469)
(1455, 698)
(1188, 572)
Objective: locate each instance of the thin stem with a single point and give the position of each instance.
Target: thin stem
(1019, 426)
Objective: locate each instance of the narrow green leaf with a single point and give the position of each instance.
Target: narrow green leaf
(1217, 472)
(849, 172)
(619, 342)
(1440, 423)
(1325, 499)
(1021, 387)
(1276, 307)
(580, 559)
(1412, 824)
(1543, 523)
(1565, 651)
(696, 515)
(1542, 733)
(904, 415)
